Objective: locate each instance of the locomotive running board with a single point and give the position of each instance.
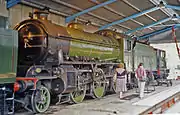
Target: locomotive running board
(87, 63)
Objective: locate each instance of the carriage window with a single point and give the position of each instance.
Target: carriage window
(178, 67)
(127, 45)
(3, 22)
(162, 54)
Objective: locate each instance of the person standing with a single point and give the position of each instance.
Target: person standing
(121, 80)
(141, 76)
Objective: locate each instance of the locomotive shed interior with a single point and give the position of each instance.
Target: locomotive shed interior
(69, 49)
(140, 18)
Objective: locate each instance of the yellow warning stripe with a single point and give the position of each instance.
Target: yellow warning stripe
(8, 75)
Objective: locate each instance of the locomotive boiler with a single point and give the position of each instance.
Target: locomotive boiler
(39, 38)
(64, 62)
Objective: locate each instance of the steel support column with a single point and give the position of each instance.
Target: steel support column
(154, 33)
(130, 17)
(173, 7)
(168, 11)
(11, 3)
(148, 26)
(158, 32)
(70, 18)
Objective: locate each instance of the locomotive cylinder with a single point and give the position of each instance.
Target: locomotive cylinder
(21, 86)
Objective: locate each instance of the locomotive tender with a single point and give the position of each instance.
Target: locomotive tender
(67, 63)
(8, 62)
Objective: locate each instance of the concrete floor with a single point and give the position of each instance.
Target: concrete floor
(108, 105)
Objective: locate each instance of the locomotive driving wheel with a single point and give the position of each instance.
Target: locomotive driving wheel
(99, 83)
(79, 94)
(40, 100)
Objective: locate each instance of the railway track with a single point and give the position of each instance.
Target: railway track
(164, 98)
(174, 109)
(56, 108)
(163, 106)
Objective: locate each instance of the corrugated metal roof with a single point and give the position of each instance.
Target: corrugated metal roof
(115, 11)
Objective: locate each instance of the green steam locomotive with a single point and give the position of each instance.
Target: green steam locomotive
(65, 63)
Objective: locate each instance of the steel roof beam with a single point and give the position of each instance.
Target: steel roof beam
(137, 9)
(148, 26)
(158, 32)
(134, 7)
(154, 33)
(118, 13)
(130, 17)
(173, 7)
(168, 11)
(89, 13)
(70, 18)
(11, 3)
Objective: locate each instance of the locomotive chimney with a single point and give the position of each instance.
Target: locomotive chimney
(42, 15)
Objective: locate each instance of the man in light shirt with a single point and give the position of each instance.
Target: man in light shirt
(141, 76)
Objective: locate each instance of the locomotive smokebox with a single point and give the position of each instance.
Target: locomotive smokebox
(32, 43)
(37, 39)
(32, 39)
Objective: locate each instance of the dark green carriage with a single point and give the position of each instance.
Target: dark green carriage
(135, 54)
(145, 54)
(141, 53)
(8, 55)
(8, 65)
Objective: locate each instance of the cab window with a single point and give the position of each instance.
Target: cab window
(127, 45)
(162, 54)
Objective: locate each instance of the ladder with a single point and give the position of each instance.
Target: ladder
(176, 42)
(6, 101)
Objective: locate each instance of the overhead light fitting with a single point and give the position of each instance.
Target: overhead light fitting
(88, 23)
(174, 17)
(161, 4)
(114, 29)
